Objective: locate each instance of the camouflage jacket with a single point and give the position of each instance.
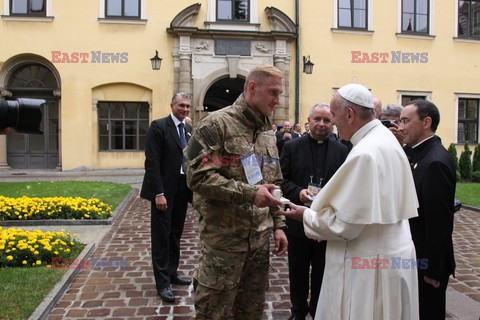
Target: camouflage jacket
(222, 195)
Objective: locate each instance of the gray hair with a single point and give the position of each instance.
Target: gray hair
(363, 112)
(318, 105)
(392, 110)
(180, 95)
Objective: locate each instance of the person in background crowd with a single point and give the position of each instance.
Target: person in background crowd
(297, 128)
(307, 129)
(391, 112)
(435, 181)
(378, 107)
(188, 121)
(287, 134)
(307, 164)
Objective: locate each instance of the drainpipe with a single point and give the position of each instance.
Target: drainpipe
(297, 63)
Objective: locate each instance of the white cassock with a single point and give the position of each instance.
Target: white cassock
(363, 212)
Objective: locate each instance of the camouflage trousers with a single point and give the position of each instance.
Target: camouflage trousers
(231, 285)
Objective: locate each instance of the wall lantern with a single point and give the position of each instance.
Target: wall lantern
(307, 65)
(156, 61)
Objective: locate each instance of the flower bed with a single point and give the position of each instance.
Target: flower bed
(26, 208)
(36, 248)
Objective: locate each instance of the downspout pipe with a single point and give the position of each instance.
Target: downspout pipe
(297, 63)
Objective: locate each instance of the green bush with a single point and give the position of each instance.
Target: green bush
(453, 153)
(476, 158)
(476, 176)
(465, 163)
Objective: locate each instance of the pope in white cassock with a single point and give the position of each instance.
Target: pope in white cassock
(363, 212)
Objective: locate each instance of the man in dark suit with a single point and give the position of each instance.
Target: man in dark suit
(434, 176)
(286, 135)
(308, 162)
(165, 186)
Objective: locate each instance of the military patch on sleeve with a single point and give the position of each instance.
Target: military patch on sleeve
(194, 148)
(208, 136)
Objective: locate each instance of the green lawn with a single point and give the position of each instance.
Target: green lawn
(23, 289)
(110, 193)
(469, 193)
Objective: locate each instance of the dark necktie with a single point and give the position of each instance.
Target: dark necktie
(183, 143)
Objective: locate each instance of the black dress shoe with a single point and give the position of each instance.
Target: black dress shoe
(180, 281)
(166, 294)
(294, 317)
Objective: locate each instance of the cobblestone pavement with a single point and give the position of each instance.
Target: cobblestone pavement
(466, 238)
(130, 293)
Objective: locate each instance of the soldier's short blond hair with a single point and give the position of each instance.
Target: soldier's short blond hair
(261, 72)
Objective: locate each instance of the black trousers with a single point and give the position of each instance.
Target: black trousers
(432, 302)
(166, 231)
(303, 253)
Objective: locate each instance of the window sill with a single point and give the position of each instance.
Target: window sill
(27, 18)
(232, 25)
(462, 39)
(415, 36)
(122, 21)
(352, 31)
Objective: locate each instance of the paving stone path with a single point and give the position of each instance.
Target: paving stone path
(131, 294)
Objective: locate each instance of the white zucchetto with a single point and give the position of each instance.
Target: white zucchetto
(358, 94)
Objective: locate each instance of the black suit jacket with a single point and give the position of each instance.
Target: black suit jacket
(281, 142)
(163, 160)
(435, 181)
(296, 161)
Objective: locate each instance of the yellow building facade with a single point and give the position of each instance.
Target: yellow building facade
(91, 61)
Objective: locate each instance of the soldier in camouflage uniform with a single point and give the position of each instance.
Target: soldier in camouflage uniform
(237, 217)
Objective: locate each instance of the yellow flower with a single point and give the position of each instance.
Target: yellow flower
(24, 262)
(9, 258)
(38, 262)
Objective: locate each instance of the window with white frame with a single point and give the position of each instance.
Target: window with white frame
(130, 9)
(469, 18)
(122, 126)
(233, 10)
(415, 16)
(352, 14)
(407, 98)
(27, 7)
(468, 120)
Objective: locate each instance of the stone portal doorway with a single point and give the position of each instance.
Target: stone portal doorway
(222, 93)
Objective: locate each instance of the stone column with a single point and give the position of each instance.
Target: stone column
(185, 72)
(3, 152)
(281, 61)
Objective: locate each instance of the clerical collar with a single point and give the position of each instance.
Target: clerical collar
(317, 141)
(433, 135)
(362, 132)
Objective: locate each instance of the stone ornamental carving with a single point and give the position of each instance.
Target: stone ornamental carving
(203, 46)
(260, 47)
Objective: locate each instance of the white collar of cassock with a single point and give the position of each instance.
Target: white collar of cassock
(423, 141)
(362, 132)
